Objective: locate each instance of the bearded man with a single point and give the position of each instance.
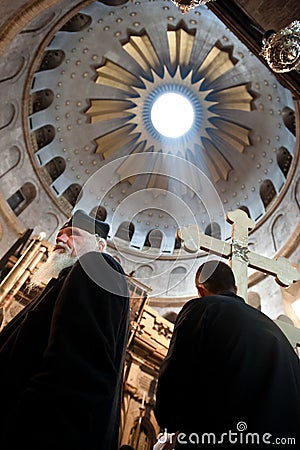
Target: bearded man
(62, 356)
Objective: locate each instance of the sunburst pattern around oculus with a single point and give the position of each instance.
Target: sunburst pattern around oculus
(213, 135)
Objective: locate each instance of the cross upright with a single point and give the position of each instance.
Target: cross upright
(241, 257)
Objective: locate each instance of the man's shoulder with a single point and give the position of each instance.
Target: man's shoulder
(113, 262)
(191, 307)
(99, 260)
(212, 303)
(104, 270)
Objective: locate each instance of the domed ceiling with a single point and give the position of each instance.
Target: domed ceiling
(90, 101)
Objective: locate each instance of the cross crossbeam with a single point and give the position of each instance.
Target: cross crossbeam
(241, 257)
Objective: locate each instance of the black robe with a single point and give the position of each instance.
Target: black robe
(62, 360)
(228, 367)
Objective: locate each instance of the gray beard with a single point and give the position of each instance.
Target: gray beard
(55, 263)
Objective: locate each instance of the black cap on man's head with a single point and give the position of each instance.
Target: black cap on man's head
(80, 219)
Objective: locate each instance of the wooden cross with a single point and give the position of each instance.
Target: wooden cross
(241, 257)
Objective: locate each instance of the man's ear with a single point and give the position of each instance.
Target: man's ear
(101, 245)
(201, 291)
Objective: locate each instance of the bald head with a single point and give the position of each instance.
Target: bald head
(214, 277)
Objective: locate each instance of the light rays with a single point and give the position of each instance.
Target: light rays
(213, 134)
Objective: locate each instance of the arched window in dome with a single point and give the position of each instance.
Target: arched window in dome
(71, 194)
(284, 159)
(245, 209)
(125, 231)
(55, 167)
(51, 59)
(267, 192)
(40, 100)
(178, 244)
(289, 119)
(154, 239)
(77, 23)
(42, 136)
(213, 229)
(99, 212)
(22, 198)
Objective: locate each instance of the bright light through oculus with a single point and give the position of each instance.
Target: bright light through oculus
(172, 115)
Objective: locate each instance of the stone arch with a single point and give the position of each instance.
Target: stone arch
(144, 271)
(254, 300)
(147, 436)
(8, 113)
(297, 193)
(170, 316)
(177, 282)
(51, 225)
(10, 158)
(277, 231)
(285, 318)
(22, 198)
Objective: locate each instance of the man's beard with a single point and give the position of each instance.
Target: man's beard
(55, 263)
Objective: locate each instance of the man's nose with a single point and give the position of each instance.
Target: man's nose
(62, 238)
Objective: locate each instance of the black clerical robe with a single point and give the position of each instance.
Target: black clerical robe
(229, 367)
(62, 361)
